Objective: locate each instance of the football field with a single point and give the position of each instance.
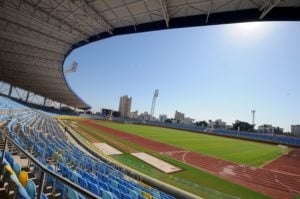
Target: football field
(235, 150)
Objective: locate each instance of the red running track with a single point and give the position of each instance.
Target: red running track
(289, 163)
(277, 184)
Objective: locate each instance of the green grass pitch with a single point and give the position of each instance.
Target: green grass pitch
(235, 150)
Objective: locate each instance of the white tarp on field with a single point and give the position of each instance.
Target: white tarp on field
(157, 163)
(107, 149)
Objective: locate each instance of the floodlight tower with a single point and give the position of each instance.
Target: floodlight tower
(153, 102)
(71, 69)
(253, 117)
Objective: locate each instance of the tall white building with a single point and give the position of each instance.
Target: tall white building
(125, 106)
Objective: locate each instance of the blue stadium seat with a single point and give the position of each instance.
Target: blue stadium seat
(30, 188)
(17, 168)
(93, 188)
(70, 193)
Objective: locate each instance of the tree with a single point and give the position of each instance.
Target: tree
(202, 123)
(244, 126)
(168, 121)
(278, 130)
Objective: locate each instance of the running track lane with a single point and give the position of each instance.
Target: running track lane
(289, 163)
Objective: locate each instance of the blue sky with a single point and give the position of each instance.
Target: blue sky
(212, 72)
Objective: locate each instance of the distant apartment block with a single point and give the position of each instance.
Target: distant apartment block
(295, 129)
(179, 116)
(125, 106)
(267, 128)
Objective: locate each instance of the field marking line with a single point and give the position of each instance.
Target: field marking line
(291, 190)
(273, 160)
(183, 156)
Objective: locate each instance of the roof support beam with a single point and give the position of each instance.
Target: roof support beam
(70, 15)
(31, 31)
(17, 55)
(37, 6)
(14, 46)
(35, 43)
(55, 9)
(268, 6)
(93, 14)
(36, 9)
(209, 10)
(34, 20)
(164, 9)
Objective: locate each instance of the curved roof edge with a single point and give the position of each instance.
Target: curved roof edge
(86, 106)
(250, 15)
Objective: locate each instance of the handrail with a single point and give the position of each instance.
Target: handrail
(47, 171)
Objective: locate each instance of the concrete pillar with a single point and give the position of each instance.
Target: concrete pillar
(10, 90)
(27, 96)
(45, 99)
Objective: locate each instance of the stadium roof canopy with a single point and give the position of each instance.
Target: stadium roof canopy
(37, 35)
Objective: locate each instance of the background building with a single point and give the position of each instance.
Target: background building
(107, 112)
(188, 120)
(162, 118)
(125, 106)
(217, 124)
(145, 116)
(179, 116)
(134, 115)
(267, 128)
(295, 129)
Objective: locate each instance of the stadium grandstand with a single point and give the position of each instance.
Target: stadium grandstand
(36, 36)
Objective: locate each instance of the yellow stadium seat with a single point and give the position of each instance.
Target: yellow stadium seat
(145, 185)
(11, 173)
(23, 177)
(9, 169)
(146, 195)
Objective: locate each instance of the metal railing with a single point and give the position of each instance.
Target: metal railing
(44, 171)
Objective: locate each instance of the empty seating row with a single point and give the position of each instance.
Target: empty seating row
(40, 134)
